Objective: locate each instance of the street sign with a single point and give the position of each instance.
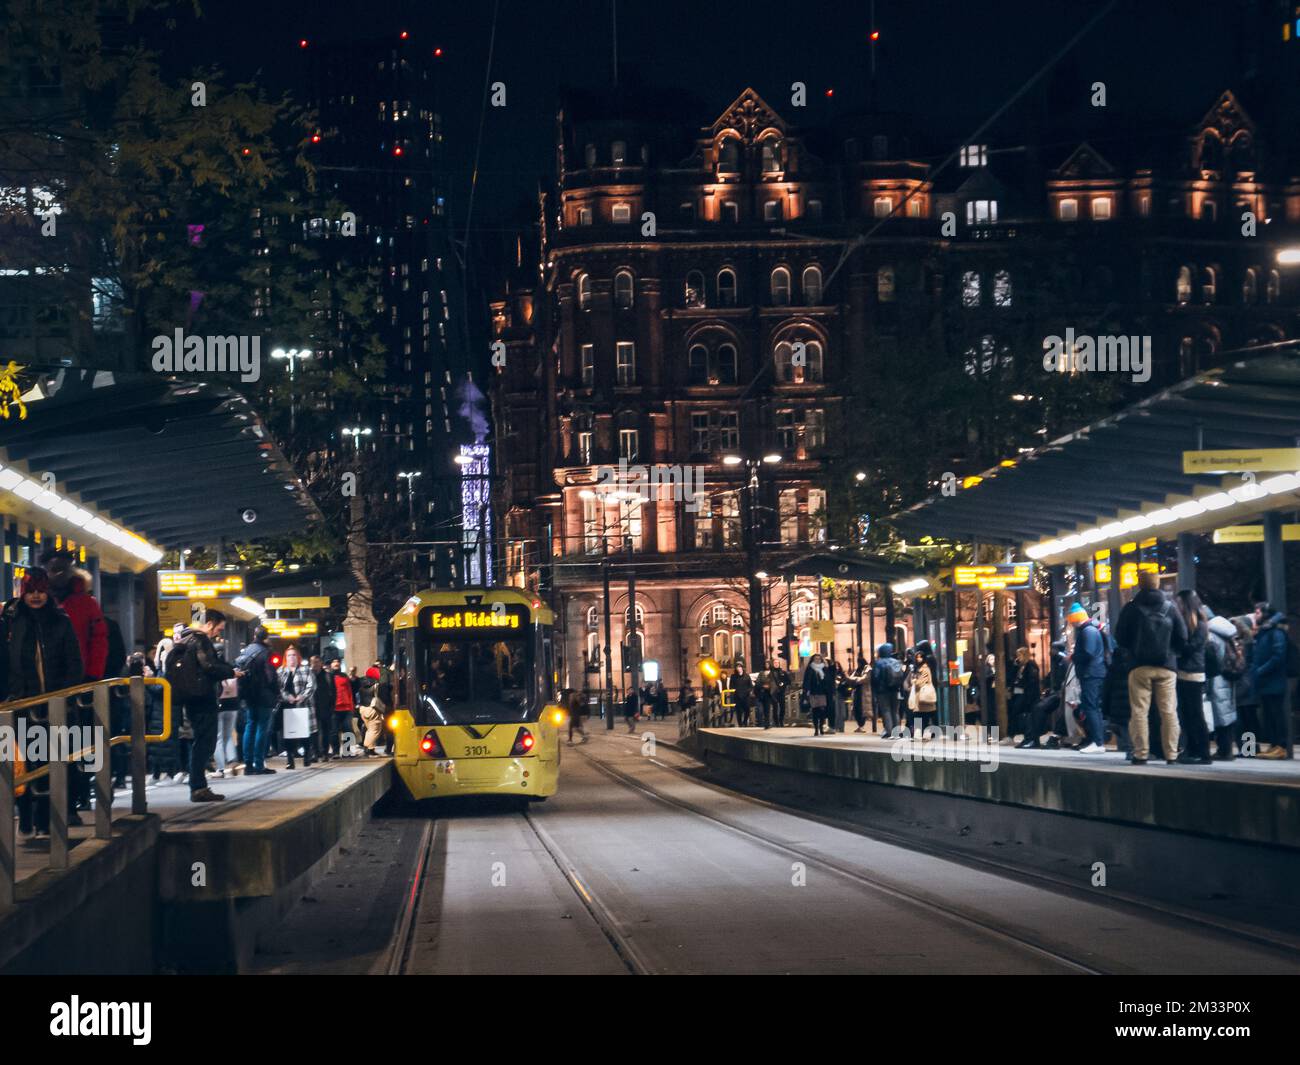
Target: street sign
(997, 577)
(821, 631)
(298, 602)
(1238, 460)
(1252, 534)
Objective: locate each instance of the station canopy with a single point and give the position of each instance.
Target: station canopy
(175, 462)
(1123, 476)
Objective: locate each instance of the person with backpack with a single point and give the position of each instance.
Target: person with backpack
(1190, 685)
(887, 677)
(1274, 653)
(259, 688)
(1152, 632)
(196, 672)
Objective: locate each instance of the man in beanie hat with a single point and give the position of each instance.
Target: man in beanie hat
(1089, 658)
(1153, 633)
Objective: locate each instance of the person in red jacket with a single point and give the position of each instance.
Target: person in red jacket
(344, 705)
(71, 588)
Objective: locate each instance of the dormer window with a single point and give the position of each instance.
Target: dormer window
(729, 156)
(974, 155)
(618, 153)
(980, 211)
(771, 156)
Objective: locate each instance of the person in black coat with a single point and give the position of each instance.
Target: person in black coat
(1026, 690)
(819, 687)
(39, 653)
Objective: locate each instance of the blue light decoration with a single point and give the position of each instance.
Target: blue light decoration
(475, 512)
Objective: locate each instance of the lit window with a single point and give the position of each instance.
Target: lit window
(623, 290)
(978, 211)
(816, 514)
(814, 432)
(1002, 289)
(771, 156)
(629, 444)
(584, 448)
(704, 522)
(883, 207)
(695, 289)
(974, 155)
(1144, 204)
(1183, 289)
(726, 288)
(914, 207)
(788, 511)
(584, 216)
(584, 292)
(1069, 210)
(588, 365)
(885, 284)
(625, 352)
(618, 152)
(1101, 208)
(772, 211)
(970, 289)
(780, 287)
(812, 286)
(622, 213)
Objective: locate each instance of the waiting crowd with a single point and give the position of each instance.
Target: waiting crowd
(227, 717)
(1169, 680)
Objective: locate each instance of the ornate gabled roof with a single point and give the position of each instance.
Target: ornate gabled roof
(1227, 116)
(1085, 162)
(749, 114)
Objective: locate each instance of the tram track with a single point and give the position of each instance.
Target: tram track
(862, 880)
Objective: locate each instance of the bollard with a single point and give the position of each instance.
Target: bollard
(104, 775)
(139, 760)
(8, 860)
(58, 778)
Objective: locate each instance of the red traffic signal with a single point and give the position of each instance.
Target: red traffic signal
(277, 661)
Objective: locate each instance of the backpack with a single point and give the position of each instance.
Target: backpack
(181, 670)
(1233, 665)
(1213, 661)
(892, 674)
(254, 686)
(1154, 636)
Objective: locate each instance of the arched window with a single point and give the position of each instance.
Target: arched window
(726, 287)
(618, 153)
(970, 289)
(698, 365)
(812, 286)
(1274, 289)
(780, 287)
(1250, 286)
(640, 618)
(726, 364)
(802, 370)
(885, 284)
(1186, 357)
(694, 289)
(771, 155)
(1183, 290)
(729, 156)
(1209, 284)
(584, 292)
(623, 290)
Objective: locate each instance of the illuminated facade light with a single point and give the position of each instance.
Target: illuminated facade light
(475, 462)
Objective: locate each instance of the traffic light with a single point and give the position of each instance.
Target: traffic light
(276, 661)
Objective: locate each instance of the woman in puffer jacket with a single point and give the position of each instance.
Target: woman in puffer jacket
(1223, 685)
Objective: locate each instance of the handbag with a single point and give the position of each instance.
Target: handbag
(296, 723)
(912, 698)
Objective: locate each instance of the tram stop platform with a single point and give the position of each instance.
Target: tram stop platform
(186, 887)
(1227, 833)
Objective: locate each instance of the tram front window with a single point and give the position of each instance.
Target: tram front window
(479, 680)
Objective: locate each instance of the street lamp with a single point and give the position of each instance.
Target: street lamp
(357, 432)
(1288, 256)
(293, 355)
(410, 476)
(757, 651)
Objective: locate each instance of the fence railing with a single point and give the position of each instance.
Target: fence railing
(57, 769)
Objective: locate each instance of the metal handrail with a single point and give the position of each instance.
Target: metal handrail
(57, 770)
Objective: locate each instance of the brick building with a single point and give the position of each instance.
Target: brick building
(759, 292)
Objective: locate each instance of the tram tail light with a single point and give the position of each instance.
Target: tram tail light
(524, 742)
(431, 746)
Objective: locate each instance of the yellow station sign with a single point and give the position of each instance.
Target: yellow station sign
(993, 578)
(1252, 534)
(1238, 460)
(298, 602)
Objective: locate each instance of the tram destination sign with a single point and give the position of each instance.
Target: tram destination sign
(995, 577)
(475, 619)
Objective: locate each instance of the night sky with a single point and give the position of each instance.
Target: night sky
(952, 59)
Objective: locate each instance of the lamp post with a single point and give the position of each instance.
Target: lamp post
(587, 493)
(409, 476)
(357, 432)
(293, 355)
(757, 652)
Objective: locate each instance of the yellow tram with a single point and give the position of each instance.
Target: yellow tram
(473, 694)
